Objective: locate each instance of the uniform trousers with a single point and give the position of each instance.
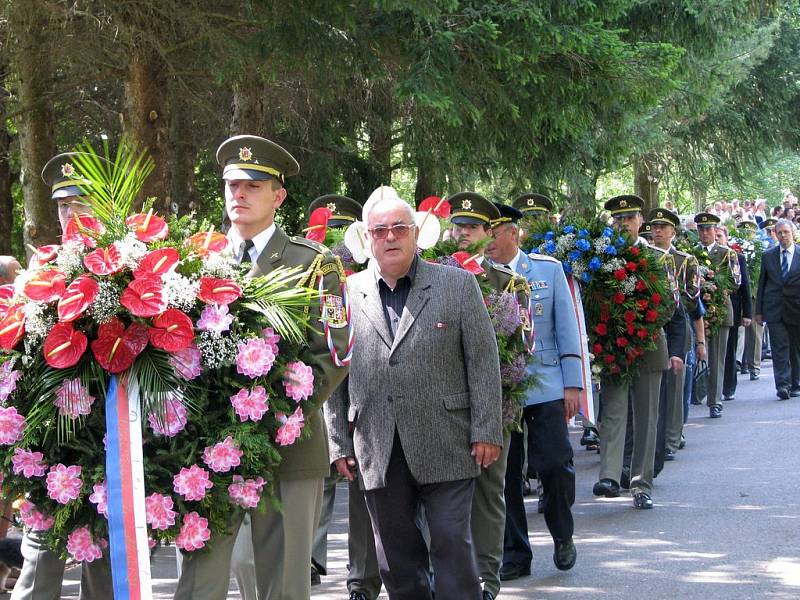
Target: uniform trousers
(552, 458)
(716, 345)
(319, 551)
(785, 342)
(674, 417)
(644, 391)
(488, 520)
(752, 347)
(281, 549)
(731, 371)
(403, 557)
(43, 573)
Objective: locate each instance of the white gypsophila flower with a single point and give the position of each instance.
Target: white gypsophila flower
(179, 291)
(39, 320)
(106, 303)
(601, 244)
(578, 268)
(564, 244)
(612, 265)
(70, 258)
(131, 250)
(20, 281)
(629, 285)
(219, 264)
(217, 350)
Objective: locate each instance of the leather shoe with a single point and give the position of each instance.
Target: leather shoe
(754, 376)
(511, 571)
(729, 398)
(642, 500)
(565, 555)
(682, 443)
(795, 393)
(590, 438)
(625, 481)
(714, 411)
(783, 394)
(315, 578)
(526, 487)
(358, 596)
(487, 595)
(669, 455)
(606, 487)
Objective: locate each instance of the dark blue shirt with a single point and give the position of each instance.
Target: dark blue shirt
(394, 300)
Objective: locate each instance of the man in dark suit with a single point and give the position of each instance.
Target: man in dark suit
(742, 315)
(421, 411)
(778, 303)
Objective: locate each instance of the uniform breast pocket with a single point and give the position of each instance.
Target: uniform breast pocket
(541, 302)
(548, 358)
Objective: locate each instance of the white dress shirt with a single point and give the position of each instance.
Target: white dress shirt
(260, 242)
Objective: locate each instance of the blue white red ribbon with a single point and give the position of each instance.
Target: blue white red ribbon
(345, 361)
(529, 340)
(586, 395)
(129, 551)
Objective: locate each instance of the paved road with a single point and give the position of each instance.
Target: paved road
(726, 522)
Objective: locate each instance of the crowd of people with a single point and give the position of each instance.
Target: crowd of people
(415, 422)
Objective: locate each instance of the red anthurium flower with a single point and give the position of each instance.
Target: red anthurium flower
(12, 326)
(318, 224)
(148, 227)
(157, 262)
(77, 298)
(83, 228)
(116, 347)
(206, 242)
(44, 255)
(6, 293)
(144, 297)
(436, 206)
(172, 331)
(64, 346)
(470, 263)
(218, 291)
(104, 261)
(46, 286)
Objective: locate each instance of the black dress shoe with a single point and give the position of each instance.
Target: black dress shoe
(669, 455)
(714, 411)
(315, 578)
(487, 595)
(606, 487)
(642, 501)
(526, 487)
(682, 443)
(590, 438)
(729, 398)
(511, 571)
(783, 394)
(625, 481)
(754, 376)
(794, 392)
(358, 596)
(565, 555)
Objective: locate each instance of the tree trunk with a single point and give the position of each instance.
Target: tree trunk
(181, 158)
(147, 123)
(32, 56)
(248, 108)
(646, 177)
(379, 128)
(428, 182)
(6, 201)
(700, 196)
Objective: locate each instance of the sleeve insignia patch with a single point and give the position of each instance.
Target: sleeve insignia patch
(332, 311)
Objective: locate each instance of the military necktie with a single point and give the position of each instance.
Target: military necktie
(245, 249)
(785, 264)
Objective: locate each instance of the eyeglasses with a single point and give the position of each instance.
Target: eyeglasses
(399, 231)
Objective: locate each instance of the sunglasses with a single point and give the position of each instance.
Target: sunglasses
(399, 231)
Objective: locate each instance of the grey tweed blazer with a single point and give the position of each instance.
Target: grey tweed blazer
(437, 383)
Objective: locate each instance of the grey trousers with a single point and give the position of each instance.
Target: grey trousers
(281, 549)
(488, 520)
(752, 346)
(644, 391)
(43, 572)
(319, 552)
(673, 426)
(717, 346)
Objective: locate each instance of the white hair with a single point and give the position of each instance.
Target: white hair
(787, 222)
(393, 202)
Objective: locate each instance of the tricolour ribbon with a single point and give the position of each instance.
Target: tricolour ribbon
(339, 362)
(587, 395)
(130, 553)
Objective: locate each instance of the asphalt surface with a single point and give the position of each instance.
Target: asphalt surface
(726, 522)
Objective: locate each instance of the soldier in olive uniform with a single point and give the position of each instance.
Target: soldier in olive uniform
(43, 571)
(254, 172)
(363, 578)
(646, 232)
(643, 390)
(472, 217)
(753, 334)
(721, 257)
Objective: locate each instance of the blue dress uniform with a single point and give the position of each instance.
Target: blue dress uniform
(556, 365)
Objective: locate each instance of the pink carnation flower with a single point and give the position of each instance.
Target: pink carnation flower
(82, 547)
(298, 381)
(215, 318)
(254, 358)
(186, 362)
(194, 533)
(11, 425)
(8, 380)
(64, 483)
(245, 492)
(223, 456)
(250, 405)
(192, 483)
(291, 428)
(159, 511)
(29, 464)
(272, 338)
(99, 497)
(33, 519)
(175, 415)
(73, 399)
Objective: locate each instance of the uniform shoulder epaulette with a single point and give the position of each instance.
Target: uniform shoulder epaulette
(502, 269)
(657, 249)
(534, 256)
(682, 253)
(301, 241)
